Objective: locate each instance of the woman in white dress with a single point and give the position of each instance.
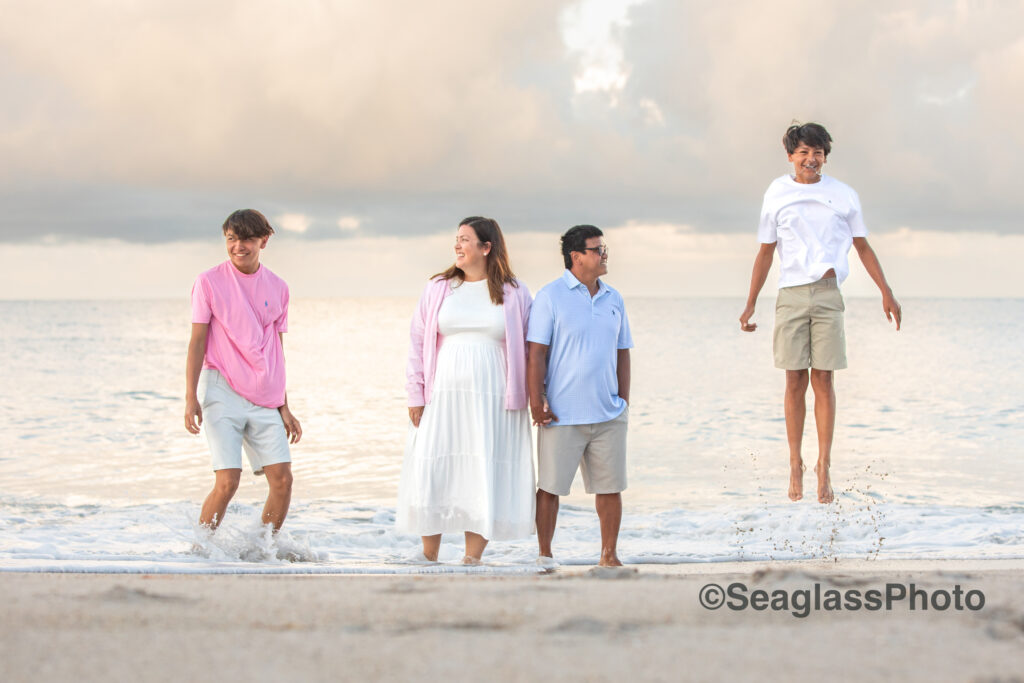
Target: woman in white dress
(469, 463)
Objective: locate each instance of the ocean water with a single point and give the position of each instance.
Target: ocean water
(97, 472)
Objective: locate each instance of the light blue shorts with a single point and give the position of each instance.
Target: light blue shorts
(232, 423)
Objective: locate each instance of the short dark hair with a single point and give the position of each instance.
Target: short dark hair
(810, 134)
(575, 239)
(247, 224)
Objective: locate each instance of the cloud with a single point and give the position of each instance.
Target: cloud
(150, 121)
(295, 222)
(591, 32)
(305, 93)
(349, 223)
(660, 260)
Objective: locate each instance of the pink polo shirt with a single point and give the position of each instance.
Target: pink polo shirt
(245, 314)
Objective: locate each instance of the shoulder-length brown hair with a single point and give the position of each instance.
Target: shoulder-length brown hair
(498, 270)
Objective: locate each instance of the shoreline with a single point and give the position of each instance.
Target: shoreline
(698, 568)
(579, 623)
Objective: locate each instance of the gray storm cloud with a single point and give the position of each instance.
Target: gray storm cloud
(150, 121)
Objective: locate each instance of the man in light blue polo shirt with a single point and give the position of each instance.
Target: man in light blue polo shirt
(578, 377)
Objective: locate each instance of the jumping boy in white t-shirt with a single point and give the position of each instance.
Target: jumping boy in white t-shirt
(811, 220)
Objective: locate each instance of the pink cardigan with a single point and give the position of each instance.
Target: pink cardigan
(426, 341)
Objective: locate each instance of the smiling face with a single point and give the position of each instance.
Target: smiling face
(470, 252)
(593, 261)
(244, 254)
(807, 163)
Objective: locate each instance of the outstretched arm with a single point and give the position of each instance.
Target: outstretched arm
(193, 366)
(762, 265)
(890, 306)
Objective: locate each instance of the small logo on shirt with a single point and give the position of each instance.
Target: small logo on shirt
(265, 304)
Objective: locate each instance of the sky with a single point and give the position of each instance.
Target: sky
(365, 131)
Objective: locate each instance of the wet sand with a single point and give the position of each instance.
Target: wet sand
(575, 624)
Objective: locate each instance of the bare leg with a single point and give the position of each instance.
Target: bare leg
(796, 411)
(547, 516)
(279, 478)
(216, 504)
(609, 511)
(431, 546)
(475, 544)
(825, 421)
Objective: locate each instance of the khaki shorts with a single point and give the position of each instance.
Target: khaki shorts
(598, 450)
(809, 327)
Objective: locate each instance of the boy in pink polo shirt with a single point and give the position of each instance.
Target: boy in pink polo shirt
(239, 314)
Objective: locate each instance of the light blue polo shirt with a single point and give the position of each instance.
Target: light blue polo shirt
(584, 334)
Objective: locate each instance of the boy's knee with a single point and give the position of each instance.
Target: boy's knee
(280, 480)
(227, 483)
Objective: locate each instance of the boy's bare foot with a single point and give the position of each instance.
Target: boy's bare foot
(825, 494)
(796, 481)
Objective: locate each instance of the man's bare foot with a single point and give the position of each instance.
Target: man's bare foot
(609, 559)
(471, 561)
(825, 494)
(796, 481)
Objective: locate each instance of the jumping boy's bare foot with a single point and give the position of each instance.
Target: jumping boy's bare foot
(796, 480)
(825, 494)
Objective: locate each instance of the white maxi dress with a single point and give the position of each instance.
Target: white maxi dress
(469, 465)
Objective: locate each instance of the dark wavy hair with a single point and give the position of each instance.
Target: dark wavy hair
(575, 239)
(247, 224)
(498, 269)
(810, 134)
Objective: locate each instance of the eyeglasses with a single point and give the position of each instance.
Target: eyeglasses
(602, 250)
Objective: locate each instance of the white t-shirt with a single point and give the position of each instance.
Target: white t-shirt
(812, 226)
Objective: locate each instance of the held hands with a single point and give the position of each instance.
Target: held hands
(745, 317)
(193, 415)
(291, 425)
(542, 416)
(415, 413)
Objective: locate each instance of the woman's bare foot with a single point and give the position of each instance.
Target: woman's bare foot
(431, 547)
(471, 561)
(796, 481)
(825, 494)
(609, 559)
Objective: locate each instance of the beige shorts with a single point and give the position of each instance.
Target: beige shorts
(598, 450)
(809, 327)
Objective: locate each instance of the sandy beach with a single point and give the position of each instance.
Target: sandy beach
(578, 623)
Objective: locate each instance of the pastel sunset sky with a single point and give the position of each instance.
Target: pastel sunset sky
(365, 131)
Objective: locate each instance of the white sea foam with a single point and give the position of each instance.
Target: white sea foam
(335, 537)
